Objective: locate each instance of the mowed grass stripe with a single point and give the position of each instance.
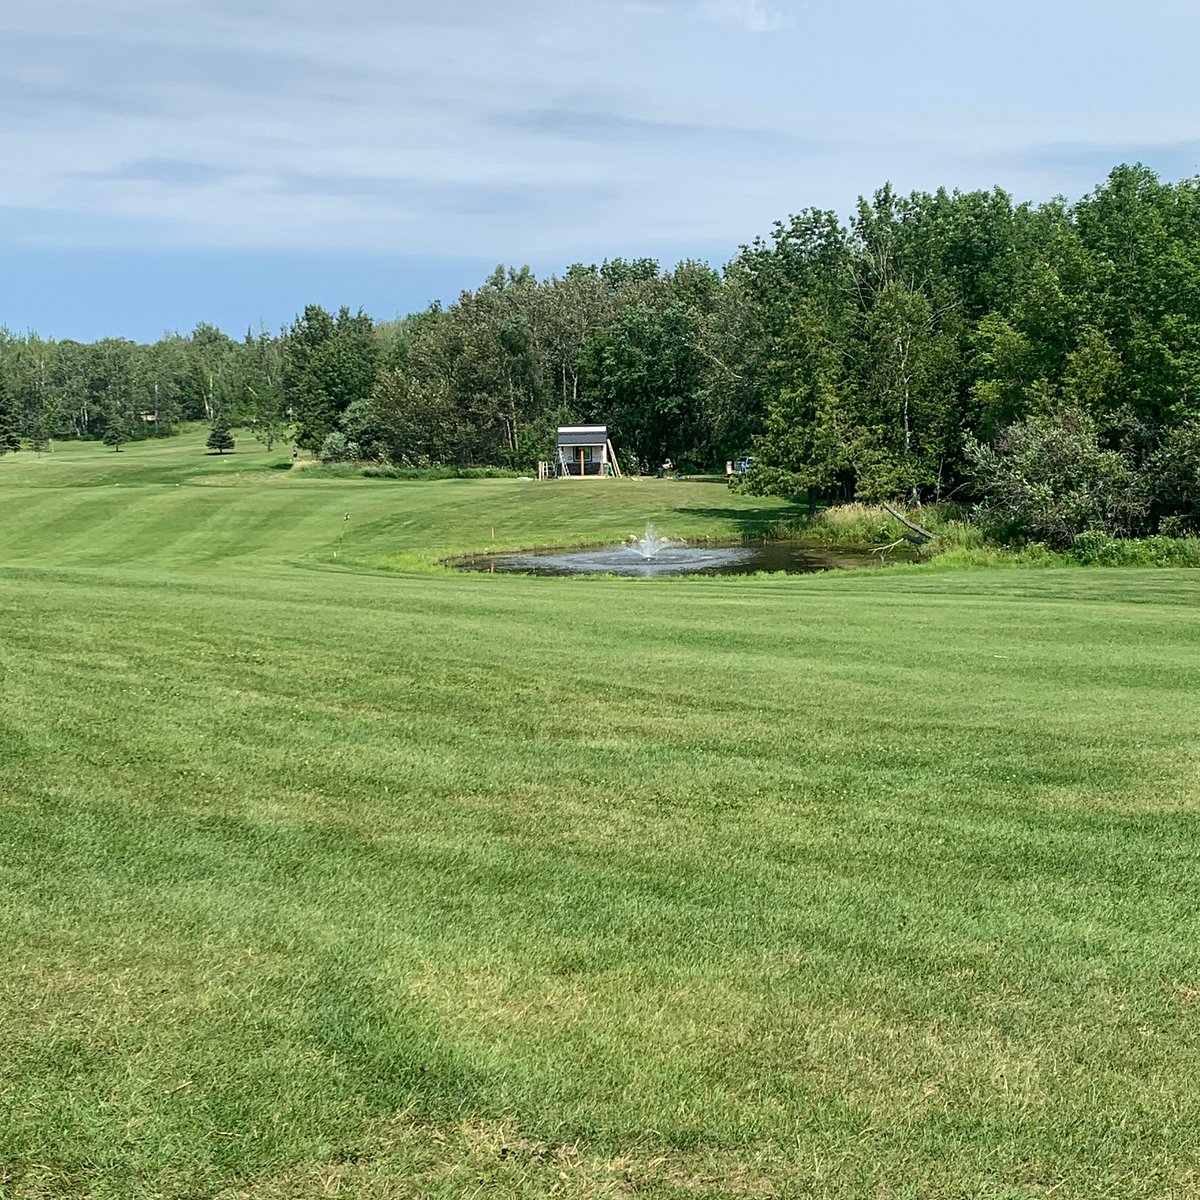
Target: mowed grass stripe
(318, 878)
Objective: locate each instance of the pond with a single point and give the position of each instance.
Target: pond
(654, 557)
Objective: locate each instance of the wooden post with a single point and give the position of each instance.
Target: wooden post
(580, 462)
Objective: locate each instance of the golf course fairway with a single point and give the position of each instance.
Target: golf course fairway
(325, 870)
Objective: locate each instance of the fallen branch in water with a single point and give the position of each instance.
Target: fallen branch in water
(929, 537)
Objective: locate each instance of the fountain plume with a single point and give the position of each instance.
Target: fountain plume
(650, 543)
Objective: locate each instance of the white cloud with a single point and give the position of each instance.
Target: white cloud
(752, 15)
(536, 128)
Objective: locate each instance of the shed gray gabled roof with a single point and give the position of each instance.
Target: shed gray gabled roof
(582, 435)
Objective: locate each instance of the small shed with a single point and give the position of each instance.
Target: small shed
(585, 450)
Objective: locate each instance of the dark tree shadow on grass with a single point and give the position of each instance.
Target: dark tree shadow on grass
(752, 522)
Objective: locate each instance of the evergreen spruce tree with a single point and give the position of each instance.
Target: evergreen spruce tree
(10, 438)
(220, 439)
(38, 439)
(116, 432)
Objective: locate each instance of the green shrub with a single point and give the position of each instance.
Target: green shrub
(1176, 469)
(1179, 526)
(337, 448)
(1095, 549)
(1048, 479)
(762, 480)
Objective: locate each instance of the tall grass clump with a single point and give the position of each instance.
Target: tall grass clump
(383, 471)
(960, 545)
(350, 469)
(1087, 550)
(860, 524)
(982, 556)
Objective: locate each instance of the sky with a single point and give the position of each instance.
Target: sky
(165, 162)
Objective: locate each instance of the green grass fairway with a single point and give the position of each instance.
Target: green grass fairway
(352, 876)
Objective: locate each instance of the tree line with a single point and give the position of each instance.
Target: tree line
(915, 351)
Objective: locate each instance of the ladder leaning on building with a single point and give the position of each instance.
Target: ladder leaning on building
(582, 450)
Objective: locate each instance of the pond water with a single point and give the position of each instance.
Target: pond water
(658, 557)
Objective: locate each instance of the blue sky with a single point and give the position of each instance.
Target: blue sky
(231, 160)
